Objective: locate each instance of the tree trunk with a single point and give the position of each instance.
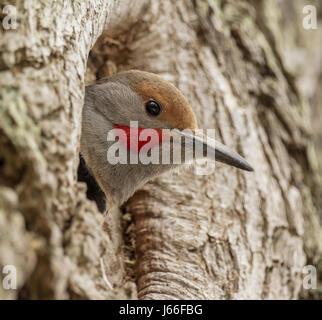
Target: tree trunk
(229, 235)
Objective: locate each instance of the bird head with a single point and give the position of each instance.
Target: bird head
(153, 103)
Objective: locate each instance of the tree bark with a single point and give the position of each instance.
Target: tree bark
(230, 235)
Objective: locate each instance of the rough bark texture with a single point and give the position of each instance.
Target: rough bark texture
(228, 235)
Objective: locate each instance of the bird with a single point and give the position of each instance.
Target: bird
(153, 103)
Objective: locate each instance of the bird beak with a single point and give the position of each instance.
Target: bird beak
(212, 149)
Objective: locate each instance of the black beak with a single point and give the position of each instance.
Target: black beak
(215, 150)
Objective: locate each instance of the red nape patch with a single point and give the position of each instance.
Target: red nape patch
(136, 138)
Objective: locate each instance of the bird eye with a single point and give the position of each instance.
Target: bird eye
(153, 108)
